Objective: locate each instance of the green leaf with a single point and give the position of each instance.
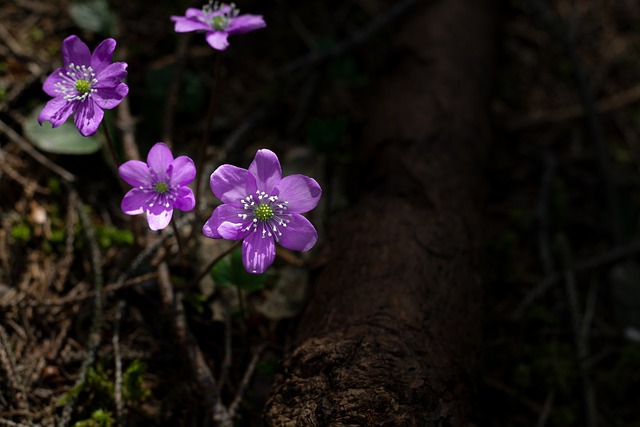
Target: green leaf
(65, 139)
(94, 16)
(231, 272)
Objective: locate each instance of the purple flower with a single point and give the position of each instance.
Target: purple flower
(261, 208)
(219, 21)
(86, 85)
(159, 186)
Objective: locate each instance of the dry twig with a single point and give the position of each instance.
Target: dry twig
(96, 325)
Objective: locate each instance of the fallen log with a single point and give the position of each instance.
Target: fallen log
(391, 332)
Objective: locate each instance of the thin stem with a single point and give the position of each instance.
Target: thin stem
(243, 311)
(112, 148)
(176, 231)
(209, 125)
(213, 262)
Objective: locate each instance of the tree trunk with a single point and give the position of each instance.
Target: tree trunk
(390, 335)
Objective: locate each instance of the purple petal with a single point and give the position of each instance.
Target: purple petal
(111, 75)
(135, 173)
(193, 12)
(301, 192)
(159, 203)
(228, 183)
(210, 228)
(135, 201)
(226, 224)
(187, 25)
(266, 169)
(49, 85)
(74, 51)
(185, 200)
(184, 171)
(57, 111)
(159, 159)
(88, 117)
(299, 235)
(217, 39)
(258, 253)
(108, 98)
(246, 23)
(160, 220)
(103, 55)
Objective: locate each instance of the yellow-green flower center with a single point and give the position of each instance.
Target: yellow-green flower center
(83, 86)
(263, 212)
(161, 187)
(220, 22)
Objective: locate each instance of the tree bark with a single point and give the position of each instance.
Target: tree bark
(390, 335)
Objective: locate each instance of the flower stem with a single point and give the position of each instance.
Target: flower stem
(176, 231)
(213, 262)
(211, 112)
(112, 148)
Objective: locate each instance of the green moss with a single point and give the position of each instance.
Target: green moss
(133, 388)
(99, 418)
(21, 232)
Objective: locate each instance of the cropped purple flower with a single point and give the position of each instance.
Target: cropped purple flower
(261, 208)
(219, 21)
(87, 84)
(159, 186)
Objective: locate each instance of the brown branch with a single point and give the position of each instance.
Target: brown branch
(30, 150)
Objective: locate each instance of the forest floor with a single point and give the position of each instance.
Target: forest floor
(561, 265)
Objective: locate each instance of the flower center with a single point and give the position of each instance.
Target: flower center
(161, 187)
(268, 215)
(263, 212)
(219, 15)
(83, 86)
(77, 83)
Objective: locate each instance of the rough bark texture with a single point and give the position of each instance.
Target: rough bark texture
(390, 335)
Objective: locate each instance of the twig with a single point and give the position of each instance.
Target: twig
(542, 212)
(96, 324)
(30, 185)
(233, 408)
(211, 113)
(110, 146)
(580, 267)
(610, 103)
(358, 38)
(117, 389)
(11, 423)
(591, 117)
(70, 224)
(150, 250)
(176, 232)
(546, 409)
(28, 148)
(21, 299)
(203, 376)
(8, 364)
(127, 126)
(311, 59)
(227, 360)
(213, 262)
(581, 339)
(174, 88)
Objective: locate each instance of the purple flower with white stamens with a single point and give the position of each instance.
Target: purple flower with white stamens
(261, 208)
(219, 21)
(86, 85)
(160, 185)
